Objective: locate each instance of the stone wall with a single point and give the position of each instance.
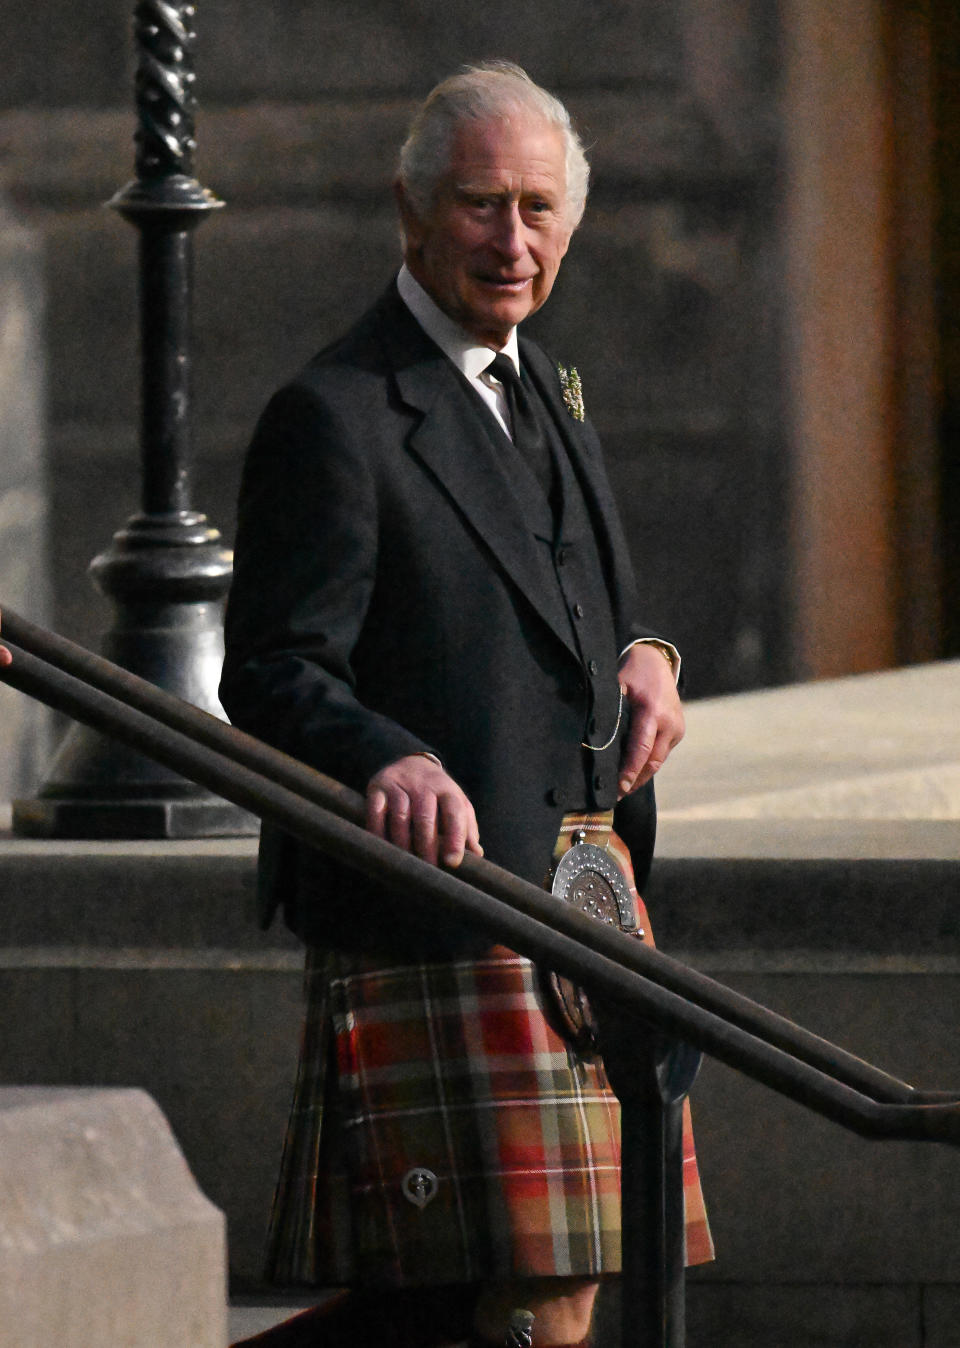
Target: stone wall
(667, 302)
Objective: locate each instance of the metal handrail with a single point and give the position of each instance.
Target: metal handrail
(684, 1012)
(325, 814)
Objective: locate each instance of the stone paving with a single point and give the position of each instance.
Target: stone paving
(867, 748)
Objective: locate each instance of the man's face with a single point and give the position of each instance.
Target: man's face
(490, 249)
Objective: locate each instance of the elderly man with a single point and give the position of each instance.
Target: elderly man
(433, 603)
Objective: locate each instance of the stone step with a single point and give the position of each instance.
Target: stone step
(141, 964)
(252, 1313)
(199, 896)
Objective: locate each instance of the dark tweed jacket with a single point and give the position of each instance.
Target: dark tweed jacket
(389, 597)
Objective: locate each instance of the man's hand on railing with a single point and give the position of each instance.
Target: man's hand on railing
(420, 808)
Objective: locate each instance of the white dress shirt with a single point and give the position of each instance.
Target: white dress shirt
(469, 356)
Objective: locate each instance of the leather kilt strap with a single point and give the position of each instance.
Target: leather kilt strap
(590, 869)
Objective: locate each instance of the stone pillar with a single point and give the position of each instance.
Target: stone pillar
(24, 579)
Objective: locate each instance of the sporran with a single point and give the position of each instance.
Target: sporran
(588, 877)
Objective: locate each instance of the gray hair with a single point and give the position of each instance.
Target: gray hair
(482, 93)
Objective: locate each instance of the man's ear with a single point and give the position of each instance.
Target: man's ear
(409, 218)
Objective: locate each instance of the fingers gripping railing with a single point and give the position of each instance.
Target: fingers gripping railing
(641, 982)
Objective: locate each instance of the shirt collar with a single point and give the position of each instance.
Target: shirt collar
(470, 358)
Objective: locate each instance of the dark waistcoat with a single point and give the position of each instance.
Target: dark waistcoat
(560, 522)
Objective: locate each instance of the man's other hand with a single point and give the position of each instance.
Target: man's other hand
(5, 656)
(415, 804)
(656, 715)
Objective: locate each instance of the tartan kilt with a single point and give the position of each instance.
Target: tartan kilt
(443, 1132)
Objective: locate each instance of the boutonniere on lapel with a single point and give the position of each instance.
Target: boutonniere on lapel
(572, 391)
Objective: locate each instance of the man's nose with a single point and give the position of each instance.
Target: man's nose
(509, 237)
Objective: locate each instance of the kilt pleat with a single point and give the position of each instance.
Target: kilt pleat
(442, 1131)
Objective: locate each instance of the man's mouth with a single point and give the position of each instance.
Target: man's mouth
(511, 285)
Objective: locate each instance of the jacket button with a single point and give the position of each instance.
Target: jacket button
(556, 797)
(578, 610)
(592, 666)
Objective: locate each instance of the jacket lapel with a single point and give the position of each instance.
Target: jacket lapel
(452, 440)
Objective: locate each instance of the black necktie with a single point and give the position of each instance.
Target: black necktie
(528, 434)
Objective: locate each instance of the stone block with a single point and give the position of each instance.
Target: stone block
(195, 896)
(38, 1046)
(383, 46)
(941, 1317)
(104, 1236)
(795, 1198)
(254, 1314)
(754, 1315)
(91, 268)
(81, 54)
(68, 55)
(744, 1316)
(787, 908)
(643, 143)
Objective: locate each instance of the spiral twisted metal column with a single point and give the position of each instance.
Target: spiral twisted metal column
(166, 570)
(165, 78)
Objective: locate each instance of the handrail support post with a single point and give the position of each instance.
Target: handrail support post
(651, 1074)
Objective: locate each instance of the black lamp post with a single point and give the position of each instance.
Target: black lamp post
(166, 570)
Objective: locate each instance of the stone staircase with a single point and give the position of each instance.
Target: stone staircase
(140, 964)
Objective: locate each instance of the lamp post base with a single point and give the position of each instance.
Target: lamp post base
(167, 577)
